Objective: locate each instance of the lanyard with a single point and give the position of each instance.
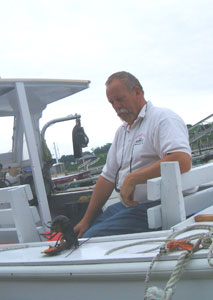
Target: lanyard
(132, 150)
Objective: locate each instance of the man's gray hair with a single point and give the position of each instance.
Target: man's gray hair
(129, 80)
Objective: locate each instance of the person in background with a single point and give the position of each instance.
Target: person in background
(148, 136)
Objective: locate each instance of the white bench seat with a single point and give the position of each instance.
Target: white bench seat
(169, 188)
(20, 222)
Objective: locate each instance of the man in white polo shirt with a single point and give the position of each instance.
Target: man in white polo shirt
(148, 136)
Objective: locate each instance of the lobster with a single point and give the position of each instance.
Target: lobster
(67, 238)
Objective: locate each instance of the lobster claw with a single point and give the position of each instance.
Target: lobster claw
(67, 238)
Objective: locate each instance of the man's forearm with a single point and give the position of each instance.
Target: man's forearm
(100, 195)
(142, 175)
(153, 171)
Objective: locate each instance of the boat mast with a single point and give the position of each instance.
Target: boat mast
(56, 153)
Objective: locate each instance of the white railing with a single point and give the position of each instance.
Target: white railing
(175, 203)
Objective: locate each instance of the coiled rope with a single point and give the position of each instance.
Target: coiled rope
(204, 241)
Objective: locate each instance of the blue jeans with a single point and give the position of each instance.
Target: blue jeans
(119, 219)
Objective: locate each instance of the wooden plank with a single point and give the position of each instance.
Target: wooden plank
(193, 203)
(23, 219)
(5, 196)
(154, 216)
(195, 177)
(198, 201)
(6, 216)
(154, 189)
(172, 202)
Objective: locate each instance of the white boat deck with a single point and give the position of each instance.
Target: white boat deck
(124, 248)
(116, 267)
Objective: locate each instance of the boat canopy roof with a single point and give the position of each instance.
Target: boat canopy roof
(39, 92)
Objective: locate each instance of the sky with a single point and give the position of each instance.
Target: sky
(166, 44)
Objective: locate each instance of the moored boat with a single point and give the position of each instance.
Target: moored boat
(172, 261)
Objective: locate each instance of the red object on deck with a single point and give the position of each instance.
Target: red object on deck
(55, 238)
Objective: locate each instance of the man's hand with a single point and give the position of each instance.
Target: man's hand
(127, 191)
(142, 175)
(80, 228)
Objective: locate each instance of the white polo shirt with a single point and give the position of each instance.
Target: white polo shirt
(155, 133)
